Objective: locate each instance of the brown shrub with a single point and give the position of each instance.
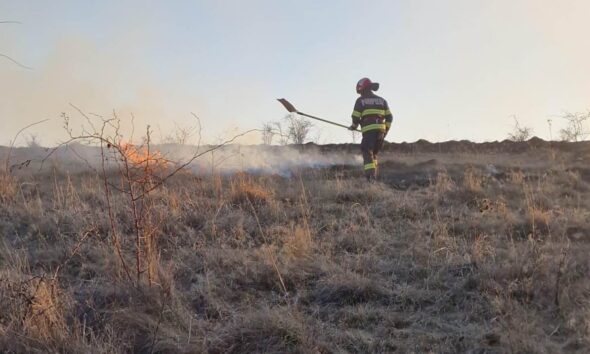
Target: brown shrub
(443, 183)
(482, 249)
(44, 319)
(245, 191)
(472, 180)
(537, 222)
(299, 243)
(7, 187)
(516, 177)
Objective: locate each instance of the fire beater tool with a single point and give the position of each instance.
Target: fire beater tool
(292, 109)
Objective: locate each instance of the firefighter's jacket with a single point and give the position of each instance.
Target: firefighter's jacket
(372, 113)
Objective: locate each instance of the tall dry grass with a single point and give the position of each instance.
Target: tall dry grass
(8, 187)
(469, 262)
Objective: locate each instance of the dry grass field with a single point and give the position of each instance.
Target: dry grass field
(448, 253)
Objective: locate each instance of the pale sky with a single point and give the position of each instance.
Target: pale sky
(456, 69)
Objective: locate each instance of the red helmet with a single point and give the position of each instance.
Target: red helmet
(366, 84)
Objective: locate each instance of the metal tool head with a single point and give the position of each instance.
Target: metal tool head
(287, 105)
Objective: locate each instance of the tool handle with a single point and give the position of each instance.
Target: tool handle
(325, 121)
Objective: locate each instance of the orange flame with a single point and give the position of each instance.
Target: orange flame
(142, 157)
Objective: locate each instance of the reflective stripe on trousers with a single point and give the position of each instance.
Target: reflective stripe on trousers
(370, 146)
(370, 166)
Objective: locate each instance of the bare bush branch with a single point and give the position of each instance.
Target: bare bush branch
(16, 62)
(268, 133)
(296, 131)
(10, 58)
(519, 133)
(576, 129)
(298, 128)
(13, 141)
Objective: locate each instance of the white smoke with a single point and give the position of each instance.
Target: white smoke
(260, 159)
(254, 159)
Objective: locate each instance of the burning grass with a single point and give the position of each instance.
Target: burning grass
(468, 261)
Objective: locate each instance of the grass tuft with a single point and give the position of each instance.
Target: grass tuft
(348, 289)
(245, 191)
(264, 331)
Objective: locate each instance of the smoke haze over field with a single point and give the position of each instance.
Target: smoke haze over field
(269, 160)
(460, 68)
(77, 72)
(229, 159)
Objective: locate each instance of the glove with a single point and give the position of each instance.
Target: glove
(352, 127)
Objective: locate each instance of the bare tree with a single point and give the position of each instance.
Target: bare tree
(519, 133)
(268, 133)
(181, 134)
(33, 141)
(292, 129)
(281, 133)
(297, 128)
(576, 129)
(270, 130)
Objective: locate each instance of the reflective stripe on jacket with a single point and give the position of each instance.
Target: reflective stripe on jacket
(372, 113)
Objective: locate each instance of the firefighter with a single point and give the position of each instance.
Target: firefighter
(374, 117)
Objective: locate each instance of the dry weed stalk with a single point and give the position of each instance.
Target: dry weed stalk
(7, 187)
(298, 244)
(472, 180)
(305, 212)
(268, 249)
(560, 270)
(243, 191)
(7, 166)
(516, 177)
(444, 183)
(44, 318)
(538, 218)
(482, 249)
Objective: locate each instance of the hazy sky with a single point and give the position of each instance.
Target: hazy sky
(449, 69)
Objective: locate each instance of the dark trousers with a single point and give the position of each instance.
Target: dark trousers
(371, 145)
